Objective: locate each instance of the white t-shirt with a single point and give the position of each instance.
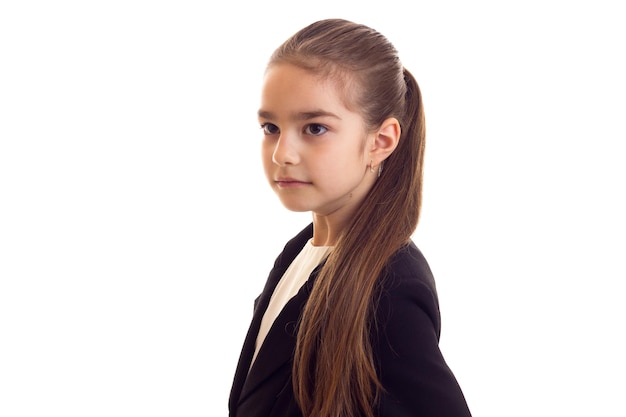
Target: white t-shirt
(295, 276)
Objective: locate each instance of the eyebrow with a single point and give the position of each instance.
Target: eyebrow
(308, 115)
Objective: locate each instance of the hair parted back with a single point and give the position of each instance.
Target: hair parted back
(334, 370)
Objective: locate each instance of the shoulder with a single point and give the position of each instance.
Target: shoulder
(408, 263)
(408, 286)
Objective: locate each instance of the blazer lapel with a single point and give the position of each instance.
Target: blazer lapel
(269, 358)
(277, 350)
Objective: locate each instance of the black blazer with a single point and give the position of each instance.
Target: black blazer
(411, 368)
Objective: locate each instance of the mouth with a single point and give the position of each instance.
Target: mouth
(290, 183)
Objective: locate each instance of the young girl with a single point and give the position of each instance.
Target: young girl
(348, 322)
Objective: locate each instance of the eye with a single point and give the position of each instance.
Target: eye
(269, 129)
(315, 129)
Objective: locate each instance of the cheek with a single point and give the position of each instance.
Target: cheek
(267, 152)
(340, 166)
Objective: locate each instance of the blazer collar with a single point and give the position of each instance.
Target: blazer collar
(281, 334)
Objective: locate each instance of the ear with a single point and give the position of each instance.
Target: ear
(386, 140)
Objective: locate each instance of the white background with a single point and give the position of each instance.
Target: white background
(136, 227)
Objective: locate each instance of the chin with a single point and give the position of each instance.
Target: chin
(294, 206)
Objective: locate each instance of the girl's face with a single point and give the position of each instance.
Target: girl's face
(315, 150)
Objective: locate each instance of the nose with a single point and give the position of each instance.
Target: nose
(285, 152)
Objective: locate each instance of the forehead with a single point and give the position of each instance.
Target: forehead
(287, 87)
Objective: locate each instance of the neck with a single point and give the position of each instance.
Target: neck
(326, 230)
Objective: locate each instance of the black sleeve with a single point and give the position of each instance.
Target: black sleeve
(415, 377)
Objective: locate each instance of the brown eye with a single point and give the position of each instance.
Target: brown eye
(315, 129)
(269, 129)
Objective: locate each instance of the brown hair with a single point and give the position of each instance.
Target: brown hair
(334, 373)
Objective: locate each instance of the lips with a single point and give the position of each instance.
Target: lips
(287, 182)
